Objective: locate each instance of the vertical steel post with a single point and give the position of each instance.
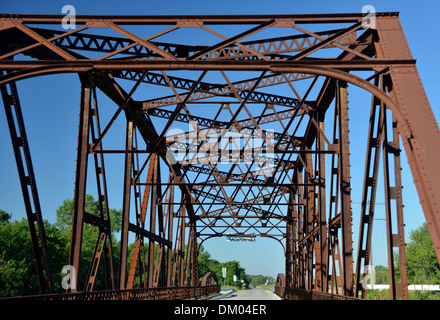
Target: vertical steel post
(159, 265)
(104, 243)
(399, 240)
(301, 224)
(289, 252)
(322, 214)
(80, 179)
(126, 203)
(152, 228)
(170, 230)
(421, 144)
(294, 245)
(345, 190)
(334, 224)
(138, 249)
(394, 240)
(369, 193)
(28, 185)
(194, 254)
(181, 255)
(311, 213)
(388, 213)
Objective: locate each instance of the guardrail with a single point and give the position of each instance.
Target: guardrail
(226, 290)
(411, 287)
(167, 293)
(289, 293)
(303, 294)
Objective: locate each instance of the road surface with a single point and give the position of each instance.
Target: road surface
(252, 294)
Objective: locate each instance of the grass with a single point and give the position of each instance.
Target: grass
(413, 295)
(266, 286)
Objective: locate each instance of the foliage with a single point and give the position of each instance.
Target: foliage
(17, 263)
(4, 216)
(259, 280)
(424, 295)
(423, 266)
(412, 295)
(381, 274)
(64, 216)
(89, 237)
(378, 294)
(15, 258)
(207, 264)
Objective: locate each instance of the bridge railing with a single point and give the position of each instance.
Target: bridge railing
(208, 288)
(289, 293)
(280, 285)
(167, 293)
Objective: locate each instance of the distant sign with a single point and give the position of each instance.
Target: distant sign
(236, 238)
(224, 272)
(235, 278)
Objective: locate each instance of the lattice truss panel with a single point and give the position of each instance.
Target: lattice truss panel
(235, 125)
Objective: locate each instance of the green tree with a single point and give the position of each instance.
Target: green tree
(207, 264)
(4, 216)
(89, 237)
(16, 278)
(18, 275)
(423, 266)
(64, 215)
(258, 280)
(233, 268)
(381, 274)
(17, 263)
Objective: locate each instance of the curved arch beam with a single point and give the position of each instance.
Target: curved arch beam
(278, 68)
(40, 71)
(357, 81)
(267, 236)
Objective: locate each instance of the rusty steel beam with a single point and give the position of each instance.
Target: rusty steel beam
(28, 184)
(165, 293)
(206, 19)
(421, 146)
(345, 190)
(304, 294)
(103, 247)
(80, 180)
(369, 193)
(75, 65)
(281, 193)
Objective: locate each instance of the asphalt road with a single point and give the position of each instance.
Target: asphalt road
(252, 294)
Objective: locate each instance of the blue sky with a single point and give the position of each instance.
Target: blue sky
(50, 107)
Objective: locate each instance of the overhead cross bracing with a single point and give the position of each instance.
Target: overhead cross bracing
(234, 125)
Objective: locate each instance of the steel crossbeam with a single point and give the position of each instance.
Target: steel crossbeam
(238, 125)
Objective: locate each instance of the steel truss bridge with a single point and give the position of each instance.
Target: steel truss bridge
(252, 139)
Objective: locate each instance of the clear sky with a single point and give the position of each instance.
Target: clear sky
(50, 107)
